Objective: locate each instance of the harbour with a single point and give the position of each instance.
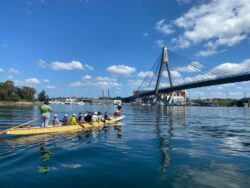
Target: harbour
(171, 146)
(113, 94)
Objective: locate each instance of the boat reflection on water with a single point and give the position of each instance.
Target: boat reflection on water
(118, 129)
(46, 154)
(22, 140)
(167, 118)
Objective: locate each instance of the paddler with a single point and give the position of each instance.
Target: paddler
(73, 120)
(106, 116)
(95, 117)
(45, 110)
(118, 111)
(56, 121)
(65, 120)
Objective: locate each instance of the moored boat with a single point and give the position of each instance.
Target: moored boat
(64, 129)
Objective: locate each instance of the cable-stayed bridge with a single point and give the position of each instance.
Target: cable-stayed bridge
(193, 75)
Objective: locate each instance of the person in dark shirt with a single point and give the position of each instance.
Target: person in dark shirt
(106, 116)
(88, 117)
(65, 120)
(118, 111)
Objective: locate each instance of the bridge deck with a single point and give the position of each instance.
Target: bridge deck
(191, 85)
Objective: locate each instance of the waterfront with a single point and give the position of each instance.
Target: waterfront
(154, 147)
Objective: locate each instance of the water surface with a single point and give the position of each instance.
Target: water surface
(153, 147)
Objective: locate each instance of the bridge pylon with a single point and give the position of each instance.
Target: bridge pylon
(164, 61)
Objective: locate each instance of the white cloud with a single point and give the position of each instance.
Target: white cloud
(107, 83)
(76, 84)
(223, 86)
(220, 70)
(183, 1)
(10, 77)
(194, 66)
(208, 52)
(199, 77)
(57, 65)
(41, 63)
(73, 65)
(134, 84)
(88, 67)
(232, 68)
(222, 23)
(98, 82)
(87, 77)
(148, 74)
(1, 70)
(32, 81)
(145, 34)
(163, 27)
(181, 42)
(45, 80)
(174, 74)
(160, 43)
(105, 78)
(120, 70)
(162, 84)
(13, 71)
(51, 87)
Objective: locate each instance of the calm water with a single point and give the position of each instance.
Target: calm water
(153, 147)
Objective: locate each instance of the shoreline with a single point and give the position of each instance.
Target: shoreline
(19, 103)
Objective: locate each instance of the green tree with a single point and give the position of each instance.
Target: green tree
(42, 96)
(10, 92)
(27, 93)
(3, 94)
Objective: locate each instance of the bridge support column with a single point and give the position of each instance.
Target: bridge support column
(164, 61)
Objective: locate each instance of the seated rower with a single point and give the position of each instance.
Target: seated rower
(65, 120)
(100, 116)
(73, 120)
(55, 121)
(118, 111)
(106, 117)
(88, 117)
(95, 117)
(79, 117)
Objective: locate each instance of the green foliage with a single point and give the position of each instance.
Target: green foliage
(27, 93)
(10, 92)
(42, 96)
(215, 102)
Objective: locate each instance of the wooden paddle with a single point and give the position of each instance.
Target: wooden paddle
(3, 132)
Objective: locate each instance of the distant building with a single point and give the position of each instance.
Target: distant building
(116, 102)
(70, 101)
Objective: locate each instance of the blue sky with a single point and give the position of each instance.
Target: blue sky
(79, 47)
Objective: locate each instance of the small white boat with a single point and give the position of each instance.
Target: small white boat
(80, 103)
(70, 101)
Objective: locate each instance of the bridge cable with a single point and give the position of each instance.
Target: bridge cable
(147, 75)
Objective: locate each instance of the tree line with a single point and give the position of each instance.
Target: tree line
(10, 92)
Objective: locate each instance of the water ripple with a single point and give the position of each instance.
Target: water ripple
(153, 147)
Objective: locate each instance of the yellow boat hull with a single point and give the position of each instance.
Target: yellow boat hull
(63, 129)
